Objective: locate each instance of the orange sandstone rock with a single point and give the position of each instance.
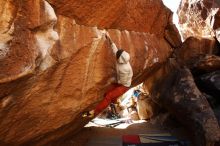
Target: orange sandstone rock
(139, 15)
(49, 76)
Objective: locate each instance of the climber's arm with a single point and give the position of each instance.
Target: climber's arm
(113, 46)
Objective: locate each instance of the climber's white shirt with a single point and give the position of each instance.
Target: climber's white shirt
(123, 68)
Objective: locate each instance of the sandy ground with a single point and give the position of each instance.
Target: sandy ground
(90, 136)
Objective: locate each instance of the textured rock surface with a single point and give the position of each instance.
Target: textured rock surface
(140, 15)
(49, 76)
(26, 37)
(172, 34)
(207, 64)
(175, 89)
(146, 107)
(54, 66)
(217, 113)
(197, 17)
(210, 84)
(193, 49)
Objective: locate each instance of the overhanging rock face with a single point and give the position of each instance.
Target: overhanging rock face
(48, 75)
(139, 15)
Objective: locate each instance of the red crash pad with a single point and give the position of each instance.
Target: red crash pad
(152, 140)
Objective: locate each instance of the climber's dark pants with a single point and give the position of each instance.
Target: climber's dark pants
(111, 95)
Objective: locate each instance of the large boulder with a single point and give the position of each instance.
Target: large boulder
(172, 34)
(207, 64)
(139, 15)
(50, 74)
(210, 84)
(217, 113)
(194, 48)
(174, 88)
(197, 18)
(26, 37)
(146, 107)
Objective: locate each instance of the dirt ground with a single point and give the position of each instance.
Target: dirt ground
(160, 124)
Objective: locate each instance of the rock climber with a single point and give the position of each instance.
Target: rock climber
(124, 77)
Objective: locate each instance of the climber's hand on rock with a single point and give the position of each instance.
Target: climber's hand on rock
(107, 37)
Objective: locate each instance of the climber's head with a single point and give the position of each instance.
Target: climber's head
(122, 56)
